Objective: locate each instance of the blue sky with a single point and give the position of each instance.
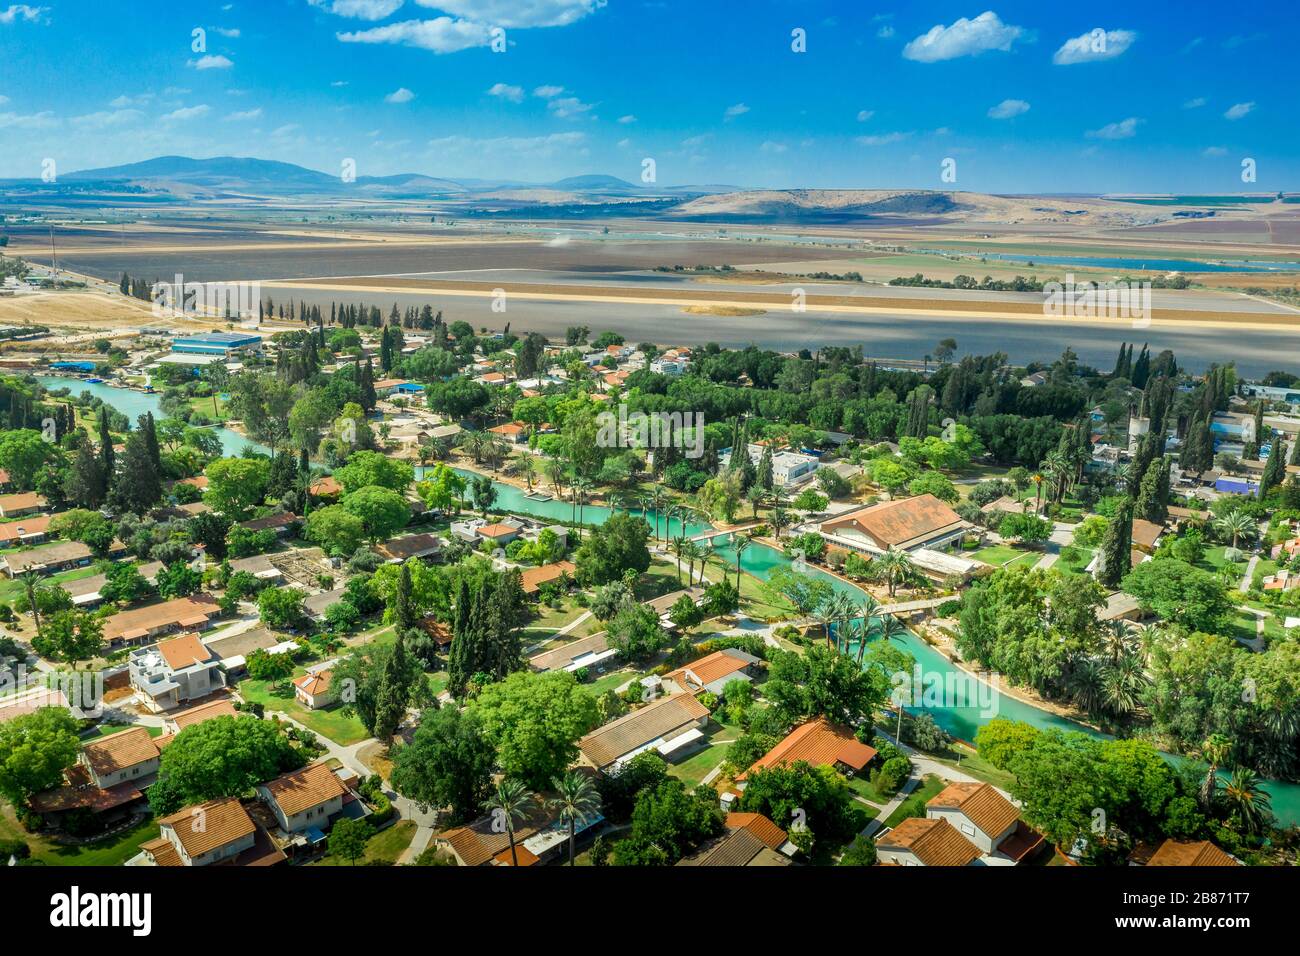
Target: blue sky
(1025, 97)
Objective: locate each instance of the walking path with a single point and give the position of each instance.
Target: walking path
(1249, 575)
(1062, 534)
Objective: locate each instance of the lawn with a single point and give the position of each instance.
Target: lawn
(863, 787)
(1073, 560)
(914, 805)
(384, 847)
(330, 722)
(111, 852)
(696, 767)
(11, 589)
(550, 618)
(997, 554)
(976, 766)
(660, 579)
(607, 682)
(104, 730)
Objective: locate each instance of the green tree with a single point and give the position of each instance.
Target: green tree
(282, 608)
(1116, 546)
(383, 512)
(236, 484)
(509, 803)
(35, 749)
(535, 721)
(1180, 593)
(336, 529)
(613, 548)
(371, 469)
(221, 757)
(348, 839)
(823, 683)
(447, 765)
(576, 800)
(23, 452)
(138, 485)
(69, 637)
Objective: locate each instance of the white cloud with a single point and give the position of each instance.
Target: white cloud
(359, 9)
(731, 112)
(3, 99)
(186, 113)
(177, 91)
(211, 62)
(339, 83)
(442, 35)
(21, 11)
(286, 129)
(1094, 45)
(772, 147)
(230, 33)
(515, 94)
(629, 118)
(884, 139)
(1214, 151)
(106, 119)
(885, 32)
(1238, 110)
(517, 13)
(1194, 103)
(864, 115)
(568, 106)
(43, 120)
(1124, 129)
(1007, 109)
(547, 92)
(399, 95)
(244, 115)
(964, 38)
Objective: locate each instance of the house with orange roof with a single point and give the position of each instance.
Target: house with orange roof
(925, 841)
(108, 779)
(818, 743)
(316, 689)
(24, 531)
(907, 524)
(514, 432)
(193, 613)
(196, 715)
(325, 487)
(218, 832)
(751, 840)
(1191, 853)
(540, 836)
(713, 672)
(988, 819)
(304, 799)
(22, 503)
(167, 674)
(499, 533)
(671, 726)
(534, 578)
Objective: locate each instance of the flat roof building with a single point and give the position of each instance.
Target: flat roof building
(216, 343)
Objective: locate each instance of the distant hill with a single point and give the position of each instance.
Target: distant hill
(221, 172)
(597, 184)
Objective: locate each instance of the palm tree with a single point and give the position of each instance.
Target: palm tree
(756, 496)
(576, 799)
(582, 489)
(1124, 681)
(779, 519)
(741, 544)
(679, 548)
(1119, 639)
(894, 568)
(1086, 684)
(653, 502)
(473, 442)
(555, 473)
(1214, 752)
(509, 803)
(1248, 801)
(887, 627)
(1121, 473)
(826, 614)
(695, 552)
(29, 585)
(526, 467)
(1235, 525)
(845, 610)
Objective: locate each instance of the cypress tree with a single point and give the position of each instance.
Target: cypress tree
(138, 487)
(367, 383)
(763, 477)
(460, 658)
(1116, 546)
(1274, 468)
(393, 693)
(107, 457)
(85, 484)
(1153, 495)
(150, 434)
(404, 609)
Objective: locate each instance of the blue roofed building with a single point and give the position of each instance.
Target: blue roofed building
(216, 343)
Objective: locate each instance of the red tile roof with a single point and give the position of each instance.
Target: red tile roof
(819, 743)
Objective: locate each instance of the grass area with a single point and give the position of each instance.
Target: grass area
(914, 805)
(11, 589)
(384, 847)
(1213, 560)
(609, 681)
(976, 766)
(998, 554)
(1027, 560)
(696, 767)
(756, 598)
(556, 618)
(863, 787)
(113, 851)
(660, 579)
(1074, 560)
(330, 722)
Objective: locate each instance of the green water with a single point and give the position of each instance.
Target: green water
(970, 706)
